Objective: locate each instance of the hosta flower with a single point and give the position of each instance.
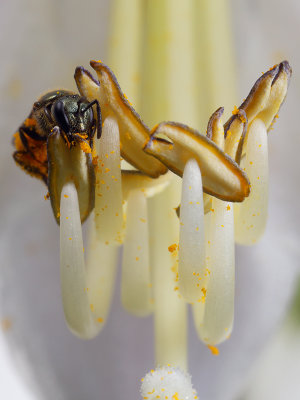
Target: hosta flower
(45, 330)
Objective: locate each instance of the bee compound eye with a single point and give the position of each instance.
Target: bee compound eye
(60, 116)
(36, 105)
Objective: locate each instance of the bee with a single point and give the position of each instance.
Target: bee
(70, 117)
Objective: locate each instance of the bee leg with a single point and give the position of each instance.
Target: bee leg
(99, 118)
(30, 165)
(32, 134)
(23, 132)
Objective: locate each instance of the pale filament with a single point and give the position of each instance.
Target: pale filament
(251, 216)
(86, 293)
(136, 280)
(191, 267)
(108, 196)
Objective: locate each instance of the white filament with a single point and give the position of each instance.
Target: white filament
(86, 295)
(108, 201)
(72, 267)
(191, 267)
(251, 215)
(169, 308)
(136, 282)
(167, 383)
(214, 316)
(102, 260)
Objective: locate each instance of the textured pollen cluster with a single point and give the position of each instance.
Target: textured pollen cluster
(167, 383)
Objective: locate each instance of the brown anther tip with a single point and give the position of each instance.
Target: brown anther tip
(283, 67)
(215, 116)
(99, 66)
(79, 71)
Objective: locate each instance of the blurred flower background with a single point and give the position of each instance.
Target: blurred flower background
(41, 44)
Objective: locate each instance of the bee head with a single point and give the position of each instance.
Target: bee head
(72, 114)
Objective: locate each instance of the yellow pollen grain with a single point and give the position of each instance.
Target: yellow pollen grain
(235, 110)
(137, 258)
(175, 396)
(92, 307)
(172, 248)
(107, 242)
(70, 238)
(228, 207)
(99, 319)
(142, 220)
(212, 209)
(243, 119)
(214, 350)
(66, 196)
